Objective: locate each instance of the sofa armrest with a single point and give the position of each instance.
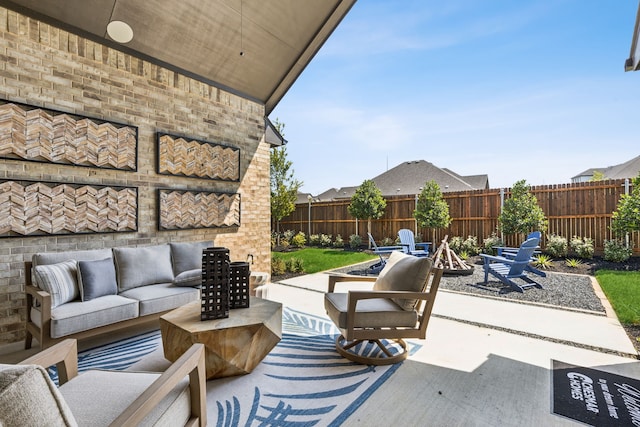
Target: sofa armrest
(64, 355)
(333, 279)
(190, 363)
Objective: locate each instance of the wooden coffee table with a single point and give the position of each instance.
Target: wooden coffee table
(233, 345)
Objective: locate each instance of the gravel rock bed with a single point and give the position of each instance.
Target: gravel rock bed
(561, 290)
(566, 291)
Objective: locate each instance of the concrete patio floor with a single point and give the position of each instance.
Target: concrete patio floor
(485, 362)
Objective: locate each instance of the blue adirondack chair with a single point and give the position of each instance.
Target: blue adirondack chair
(511, 253)
(509, 269)
(380, 251)
(409, 244)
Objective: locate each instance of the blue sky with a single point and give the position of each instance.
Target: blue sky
(528, 89)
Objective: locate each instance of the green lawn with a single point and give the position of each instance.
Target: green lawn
(622, 289)
(318, 259)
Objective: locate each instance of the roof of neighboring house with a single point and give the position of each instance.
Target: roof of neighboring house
(409, 177)
(628, 169)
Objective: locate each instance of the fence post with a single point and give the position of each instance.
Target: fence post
(501, 207)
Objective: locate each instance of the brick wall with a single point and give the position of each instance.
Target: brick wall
(43, 66)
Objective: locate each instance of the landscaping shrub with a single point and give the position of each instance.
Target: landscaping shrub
(338, 242)
(582, 247)
(294, 265)
(615, 250)
(469, 245)
(299, 240)
(455, 243)
(325, 240)
(288, 235)
(388, 241)
(557, 246)
(490, 243)
(278, 266)
(355, 241)
(314, 240)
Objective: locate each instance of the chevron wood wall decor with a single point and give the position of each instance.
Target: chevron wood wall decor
(182, 209)
(30, 208)
(197, 159)
(42, 135)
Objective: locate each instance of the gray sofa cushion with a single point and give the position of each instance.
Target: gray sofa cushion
(97, 278)
(161, 297)
(56, 257)
(142, 266)
(187, 256)
(80, 316)
(60, 280)
(28, 397)
(97, 397)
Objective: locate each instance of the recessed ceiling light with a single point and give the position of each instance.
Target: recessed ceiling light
(120, 31)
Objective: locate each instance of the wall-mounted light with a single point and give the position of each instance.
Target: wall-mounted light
(120, 32)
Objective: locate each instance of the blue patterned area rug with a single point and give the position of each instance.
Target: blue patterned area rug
(302, 382)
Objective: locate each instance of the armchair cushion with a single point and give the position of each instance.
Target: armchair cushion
(98, 397)
(370, 313)
(28, 397)
(60, 280)
(404, 272)
(96, 279)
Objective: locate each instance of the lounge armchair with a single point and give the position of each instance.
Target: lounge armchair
(102, 397)
(399, 306)
(507, 270)
(508, 252)
(380, 251)
(409, 244)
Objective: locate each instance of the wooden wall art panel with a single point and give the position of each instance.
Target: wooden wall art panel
(197, 159)
(41, 135)
(30, 208)
(182, 209)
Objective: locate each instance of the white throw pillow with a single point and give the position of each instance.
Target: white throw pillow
(404, 272)
(60, 280)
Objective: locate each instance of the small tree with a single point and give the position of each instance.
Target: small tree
(431, 210)
(597, 176)
(284, 187)
(626, 217)
(367, 203)
(521, 213)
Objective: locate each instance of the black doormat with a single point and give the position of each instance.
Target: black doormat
(594, 397)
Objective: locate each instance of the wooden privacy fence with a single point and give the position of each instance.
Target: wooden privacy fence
(582, 209)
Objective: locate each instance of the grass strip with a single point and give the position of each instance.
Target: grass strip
(622, 289)
(319, 259)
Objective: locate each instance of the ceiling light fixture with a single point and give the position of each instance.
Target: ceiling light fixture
(120, 31)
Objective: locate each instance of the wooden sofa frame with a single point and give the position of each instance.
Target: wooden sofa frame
(65, 356)
(43, 333)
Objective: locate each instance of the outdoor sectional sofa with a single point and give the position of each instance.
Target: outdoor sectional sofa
(78, 294)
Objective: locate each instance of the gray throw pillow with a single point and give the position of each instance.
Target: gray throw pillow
(404, 273)
(189, 278)
(97, 279)
(187, 256)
